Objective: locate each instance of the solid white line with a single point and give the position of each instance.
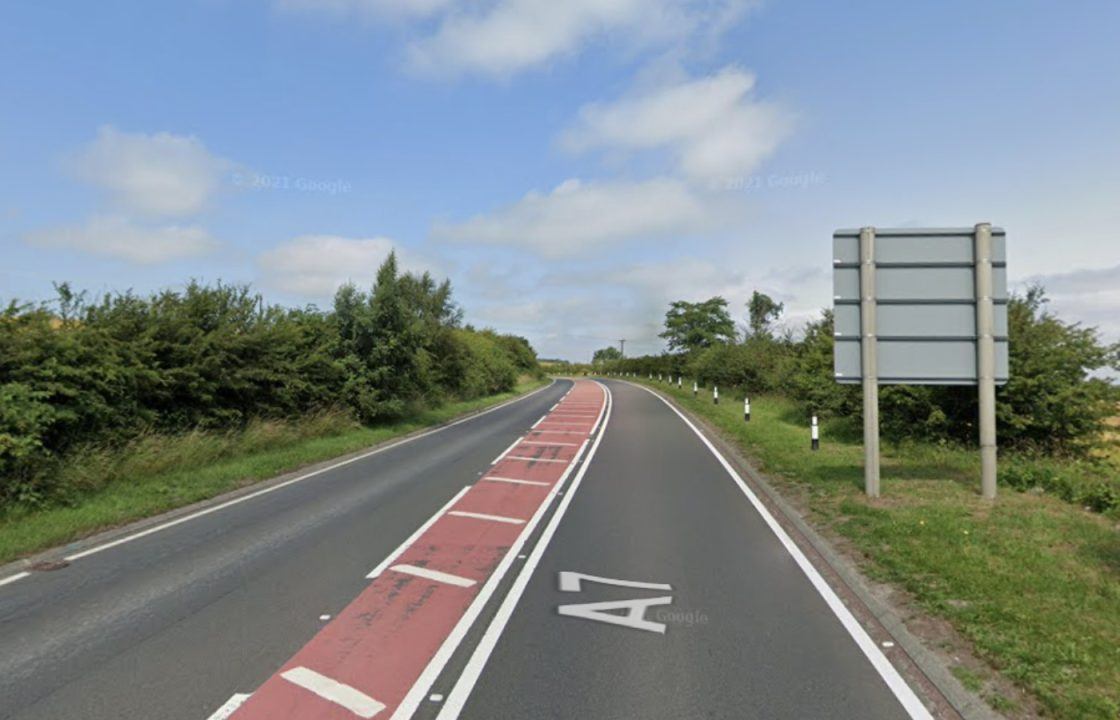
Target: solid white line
(564, 424)
(495, 478)
(338, 693)
(286, 483)
(548, 444)
(533, 459)
(879, 661)
(538, 422)
(439, 661)
(13, 578)
(466, 682)
(225, 711)
(558, 432)
(484, 516)
(512, 445)
(435, 575)
(416, 535)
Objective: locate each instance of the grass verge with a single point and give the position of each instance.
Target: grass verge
(158, 473)
(1032, 582)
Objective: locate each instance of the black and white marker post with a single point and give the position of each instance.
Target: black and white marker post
(816, 434)
(695, 388)
(715, 395)
(746, 409)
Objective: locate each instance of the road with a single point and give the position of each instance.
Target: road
(579, 553)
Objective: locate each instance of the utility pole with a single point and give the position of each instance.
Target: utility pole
(622, 347)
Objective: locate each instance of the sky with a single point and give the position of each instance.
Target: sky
(571, 166)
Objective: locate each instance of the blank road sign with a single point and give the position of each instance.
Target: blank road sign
(925, 305)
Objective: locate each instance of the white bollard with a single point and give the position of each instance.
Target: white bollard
(695, 388)
(816, 434)
(715, 395)
(746, 409)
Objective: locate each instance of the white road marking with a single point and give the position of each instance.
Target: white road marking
(324, 618)
(634, 618)
(286, 483)
(557, 432)
(338, 693)
(549, 444)
(570, 582)
(563, 424)
(434, 575)
(512, 445)
(484, 516)
(538, 422)
(435, 697)
(879, 661)
(439, 661)
(416, 535)
(225, 711)
(466, 682)
(534, 459)
(13, 578)
(515, 481)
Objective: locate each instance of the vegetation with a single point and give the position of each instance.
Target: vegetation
(153, 473)
(1032, 582)
(79, 377)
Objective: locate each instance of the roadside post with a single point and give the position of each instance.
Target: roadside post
(747, 409)
(815, 434)
(695, 388)
(922, 307)
(715, 395)
(678, 382)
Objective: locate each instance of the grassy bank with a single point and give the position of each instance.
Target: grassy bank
(1032, 581)
(159, 473)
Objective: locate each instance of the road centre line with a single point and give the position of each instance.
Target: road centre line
(273, 488)
(514, 481)
(436, 665)
(455, 701)
(338, 693)
(484, 516)
(436, 575)
(416, 535)
(902, 691)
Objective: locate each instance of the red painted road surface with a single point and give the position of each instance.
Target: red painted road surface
(367, 661)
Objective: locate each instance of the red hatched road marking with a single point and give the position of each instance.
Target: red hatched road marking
(373, 653)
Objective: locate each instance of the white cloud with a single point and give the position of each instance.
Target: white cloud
(160, 175)
(578, 216)
(1090, 296)
(119, 237)
(502, 37)
(713, 126)
(314, 266)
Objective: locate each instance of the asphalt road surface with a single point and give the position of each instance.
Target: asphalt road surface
(581, 553)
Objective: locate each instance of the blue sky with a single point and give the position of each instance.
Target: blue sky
(571, 166)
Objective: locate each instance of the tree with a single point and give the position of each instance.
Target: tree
(764, 312)
(606, 354)
(693, 326)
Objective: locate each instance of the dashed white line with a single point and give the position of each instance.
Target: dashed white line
(338, 693)
(416, 535)
(515, 481)
(484, 516)
(434, 575)
(13, 578)
(226, 710)
(503, 453)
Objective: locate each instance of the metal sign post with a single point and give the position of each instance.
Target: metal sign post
(922, 307)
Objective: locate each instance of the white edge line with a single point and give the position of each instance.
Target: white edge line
(505, 452)
(902, 691)
(13, 578)
(416, 535)
(286, 483)
(457, 698)
(436, 665)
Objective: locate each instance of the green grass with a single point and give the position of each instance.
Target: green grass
(1032, 581)
(158, 473)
